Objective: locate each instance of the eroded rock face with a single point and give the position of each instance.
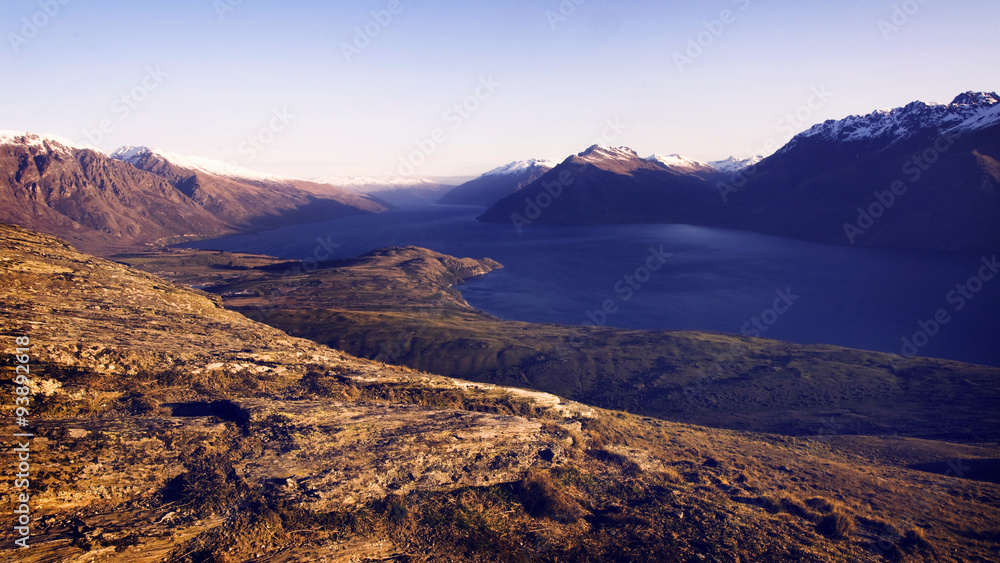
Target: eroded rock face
(328, 456)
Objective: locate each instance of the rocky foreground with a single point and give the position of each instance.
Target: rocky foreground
(168, 428)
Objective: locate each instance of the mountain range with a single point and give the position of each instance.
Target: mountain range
(138, 196)
(505, 180)
(610, 185)
(497, 183)
(921, 176)
(400, 191)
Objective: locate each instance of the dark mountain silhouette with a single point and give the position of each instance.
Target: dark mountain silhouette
(606, 185)
(922, 176)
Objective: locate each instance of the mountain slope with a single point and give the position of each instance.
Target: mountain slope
(605, 185)
(104, 204)
(246, 199)
(91, 199)
(921, 176)
(497, 183)
(168, 429)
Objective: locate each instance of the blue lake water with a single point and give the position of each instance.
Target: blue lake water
(680, 277)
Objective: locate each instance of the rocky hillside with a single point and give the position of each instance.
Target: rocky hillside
(92, 200)
(168, 428)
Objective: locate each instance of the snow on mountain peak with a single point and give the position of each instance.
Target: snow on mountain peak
(733, 165)
(129, 153)
(968, 111)
(604, 151)
(365, 184)
(971, 98)
(676, 161)
(519, 166)
(32, 139)
(231, 170)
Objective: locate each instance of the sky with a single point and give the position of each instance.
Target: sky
(450, 89)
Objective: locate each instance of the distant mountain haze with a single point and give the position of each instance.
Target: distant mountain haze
(400, 191)
(497, 183)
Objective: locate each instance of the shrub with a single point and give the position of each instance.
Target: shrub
(540, 498)
(837, 524)
(915, 537)
(821, 504)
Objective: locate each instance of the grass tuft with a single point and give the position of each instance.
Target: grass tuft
(837, 524)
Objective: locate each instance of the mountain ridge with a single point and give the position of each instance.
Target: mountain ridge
(822, 186)
(497, 183)
(105, 204)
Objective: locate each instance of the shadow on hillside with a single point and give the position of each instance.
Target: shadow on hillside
(223, 410)
(973, 469)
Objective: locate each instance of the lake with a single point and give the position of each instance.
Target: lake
(681, 277)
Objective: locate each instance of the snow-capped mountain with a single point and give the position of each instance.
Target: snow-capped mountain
(889, 178)
(396, 190)
(142, 196)
(919, 176)
(676, 161)
(520, 166)
(608, 185)
(28, 139)
(599, 153)
(498, 183)
(733, 165)
(368, 184)
(52, 185)
(967, 112)
(132, 155)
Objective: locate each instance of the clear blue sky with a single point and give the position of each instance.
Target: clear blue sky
(557, 83)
